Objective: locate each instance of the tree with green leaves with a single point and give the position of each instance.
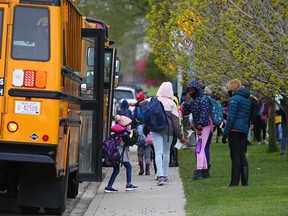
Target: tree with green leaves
(126, 21)
(233, 39)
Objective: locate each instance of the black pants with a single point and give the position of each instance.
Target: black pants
(173, 151)
(237, 143)
(259, 127)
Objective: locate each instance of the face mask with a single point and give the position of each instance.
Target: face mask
(230, 93)
(194, 94)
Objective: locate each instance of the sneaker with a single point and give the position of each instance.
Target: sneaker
(197, 175)
(160, 181)
(165, 179)
(265, 142)
(141, 172)
(259, 143)
(110, 190)
(174, 164)
(131, 187)
(147, 173)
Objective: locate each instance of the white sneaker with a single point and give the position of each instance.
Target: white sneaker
(265, 142)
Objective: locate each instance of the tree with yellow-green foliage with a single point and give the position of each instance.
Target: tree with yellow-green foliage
(244, 39)
(234, 39)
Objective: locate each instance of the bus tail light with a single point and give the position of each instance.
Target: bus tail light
(12, 126)
(29, 78)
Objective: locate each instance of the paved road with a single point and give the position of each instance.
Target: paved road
(149, 199)
(77, 206)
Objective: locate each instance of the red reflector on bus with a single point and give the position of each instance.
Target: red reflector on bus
(45, 138)
(29, 78)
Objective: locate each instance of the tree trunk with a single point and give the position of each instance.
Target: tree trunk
(272, 127)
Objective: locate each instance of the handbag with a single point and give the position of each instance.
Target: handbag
(149, 139)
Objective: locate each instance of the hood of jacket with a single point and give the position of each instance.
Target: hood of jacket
(243, 92)
(194, 84)
(165, 90)
(124, 104)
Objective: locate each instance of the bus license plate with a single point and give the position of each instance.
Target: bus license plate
(25, 107)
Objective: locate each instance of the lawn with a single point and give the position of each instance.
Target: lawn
(267, 193)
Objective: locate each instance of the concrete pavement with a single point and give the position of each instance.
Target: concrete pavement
(149, 199)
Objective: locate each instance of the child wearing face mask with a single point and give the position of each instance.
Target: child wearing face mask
(129, 138)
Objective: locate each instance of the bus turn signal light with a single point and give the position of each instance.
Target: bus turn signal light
(12, 127)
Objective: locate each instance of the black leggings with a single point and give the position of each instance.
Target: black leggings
(236, 142)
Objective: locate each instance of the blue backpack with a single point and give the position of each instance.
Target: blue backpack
(216, 111)
(141, 141)
(138, 116)
(110, 153)
(154, 116)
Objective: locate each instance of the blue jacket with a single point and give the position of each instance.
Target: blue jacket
(199, 107)
(239, 107)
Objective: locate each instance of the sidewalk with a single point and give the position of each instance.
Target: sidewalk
(149, 199)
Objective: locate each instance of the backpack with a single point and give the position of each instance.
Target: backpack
(138, 116)
(141, 141)
(154, 116)
(216, 111)
(110, 153)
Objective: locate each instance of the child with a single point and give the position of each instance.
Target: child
(143, 150)
(121, 128)
(124, 109)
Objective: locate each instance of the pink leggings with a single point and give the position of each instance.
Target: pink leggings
(201, 158)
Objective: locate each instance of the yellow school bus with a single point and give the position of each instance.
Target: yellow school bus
(57, 74)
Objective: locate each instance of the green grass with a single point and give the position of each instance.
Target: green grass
(267, 193)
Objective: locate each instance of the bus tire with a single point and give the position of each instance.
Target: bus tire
(73, 185)
(29, 209)
(63, 194)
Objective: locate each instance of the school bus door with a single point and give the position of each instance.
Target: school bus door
(96, 109)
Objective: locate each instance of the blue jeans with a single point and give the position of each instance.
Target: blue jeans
(116, 170)
(162, 145)
(284, 137)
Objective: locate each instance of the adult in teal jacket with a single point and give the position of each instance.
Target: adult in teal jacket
(236, 129)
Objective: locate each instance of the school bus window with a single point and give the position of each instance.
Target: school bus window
(107, 66)
(1, 29)
(89, 82)
(31, 34)
(90, 58)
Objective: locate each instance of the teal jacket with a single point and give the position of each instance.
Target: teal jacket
(239, 107)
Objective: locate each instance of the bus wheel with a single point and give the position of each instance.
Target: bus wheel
(73, 185)
(29, 209)
(63, 186)
(63, 194)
